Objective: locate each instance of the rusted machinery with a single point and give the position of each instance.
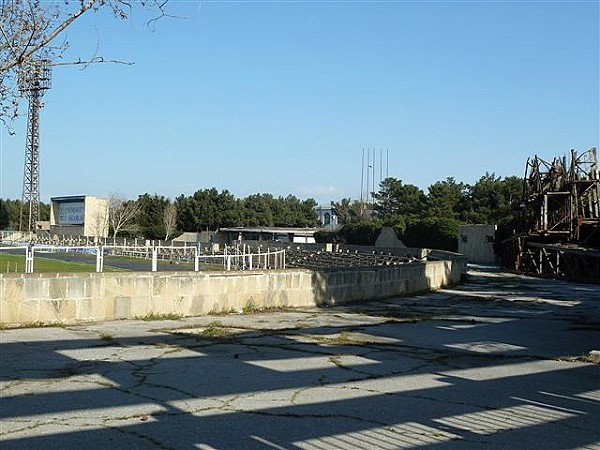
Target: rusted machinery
(560, 235)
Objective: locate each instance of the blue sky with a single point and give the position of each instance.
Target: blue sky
(282, 97)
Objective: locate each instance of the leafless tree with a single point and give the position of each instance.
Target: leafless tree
(170, 220)
(30, 30)
(121, 212)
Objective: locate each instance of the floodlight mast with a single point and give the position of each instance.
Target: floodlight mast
(34, 81)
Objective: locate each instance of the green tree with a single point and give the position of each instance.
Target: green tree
(228, 212)
(12, 212)
(151, 215)
(432, 232)
(348, 211)
(300, 213)
(257, 210)
(360, 233)
(4, 217)
(398, 203)
(492, 199)
(446, 198)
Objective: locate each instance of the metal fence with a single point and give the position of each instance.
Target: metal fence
(240, 257)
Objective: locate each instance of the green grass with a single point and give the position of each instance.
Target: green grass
(16, 263)
(215, 330)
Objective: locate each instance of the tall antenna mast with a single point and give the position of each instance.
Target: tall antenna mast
(373, 180)
(362, 176)
(34, 81)
(380, 165)
(387, 163)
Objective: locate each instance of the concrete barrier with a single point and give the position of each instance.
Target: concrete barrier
(72, 298)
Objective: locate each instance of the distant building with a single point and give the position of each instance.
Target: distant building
(327, 217)
(79, 215)
(476, 242)
(291, 235)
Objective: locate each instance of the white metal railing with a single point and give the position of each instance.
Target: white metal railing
(232, 258)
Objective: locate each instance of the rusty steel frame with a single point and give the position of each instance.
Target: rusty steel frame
(560, 216)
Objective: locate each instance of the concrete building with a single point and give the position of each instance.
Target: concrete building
(476, 242)
(79, 215)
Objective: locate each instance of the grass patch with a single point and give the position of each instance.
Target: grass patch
(10, 263)
(344, 338)
(152, 316)
(215, 330)
(34, 324)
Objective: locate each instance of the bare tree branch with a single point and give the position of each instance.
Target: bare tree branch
(170, 220)
(95, 60)
(121, 212)
(29, 30)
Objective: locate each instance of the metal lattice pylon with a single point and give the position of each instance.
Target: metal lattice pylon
(34, 80)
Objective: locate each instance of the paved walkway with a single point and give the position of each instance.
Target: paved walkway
(499, 362)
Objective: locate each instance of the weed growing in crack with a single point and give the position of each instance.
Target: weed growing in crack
(215, 330)
(152, 316)
(107, 337)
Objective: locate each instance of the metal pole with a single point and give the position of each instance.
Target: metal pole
(362, 176)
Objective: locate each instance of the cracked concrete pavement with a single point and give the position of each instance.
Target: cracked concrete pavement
(497, 362)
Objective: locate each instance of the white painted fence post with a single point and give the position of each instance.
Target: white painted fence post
(154, 260)
(29, 259)
(99, 259)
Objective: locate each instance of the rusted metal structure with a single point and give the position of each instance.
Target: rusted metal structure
(560, 235)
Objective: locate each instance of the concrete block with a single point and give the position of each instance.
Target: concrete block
(76, 287)
(28, 311)
(122, 307)
(198, 306)
(159, 285)
(84, 310)
(35, 288)
(57, 288)
(94, 287)
(140, 305)
(101, 308)
(57, 310)
(8, 310)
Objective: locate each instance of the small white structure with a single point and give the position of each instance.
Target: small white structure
(476, 242)
(79, 215)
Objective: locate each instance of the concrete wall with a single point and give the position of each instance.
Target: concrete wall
(71, 298)
(476, 242)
